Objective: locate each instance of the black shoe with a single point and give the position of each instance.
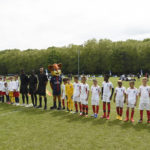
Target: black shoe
(53, 107)
(39, 106)
(63, 107)
(45, 108)
(59, 108)
(35, 106)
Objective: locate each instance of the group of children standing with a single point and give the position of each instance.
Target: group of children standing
(9, 90)
(77, 94)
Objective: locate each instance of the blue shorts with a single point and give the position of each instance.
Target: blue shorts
(56, 93)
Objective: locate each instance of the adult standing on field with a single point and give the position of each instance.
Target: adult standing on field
(33, 88)
(42, 83)
(24, 87)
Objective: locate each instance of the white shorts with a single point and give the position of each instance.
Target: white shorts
(95, 102)
(84, 102)
(76, 99)
(119, 103)
(131, 105)
(106, 99)
(145, 106)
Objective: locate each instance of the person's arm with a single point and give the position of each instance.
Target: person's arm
(127, 99)
(136, 99)
(112, 92)
(87, 93)
(102, 93)
(114, 97)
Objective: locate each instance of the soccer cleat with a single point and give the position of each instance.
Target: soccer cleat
(120, 118)
(95, 115)
(127, 119)
(117, 117)
(132, 120)
(39, 106)
(63, 107)
(140, 121)
(53, 107)
(59, 108)
(92, 115)
(103, 117)
(107, 118)
(81, 114)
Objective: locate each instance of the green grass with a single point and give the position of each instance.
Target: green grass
(35, 129)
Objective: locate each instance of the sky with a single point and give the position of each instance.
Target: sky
(41, 24)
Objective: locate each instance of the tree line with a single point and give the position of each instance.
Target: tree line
(96, 57)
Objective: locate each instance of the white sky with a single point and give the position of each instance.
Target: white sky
(43, 23)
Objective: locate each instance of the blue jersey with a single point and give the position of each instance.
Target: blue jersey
(56, 84)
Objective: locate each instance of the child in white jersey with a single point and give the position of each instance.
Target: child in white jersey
(11, 90)
(63, 92)
(95, 90)
(144, 93)
(76, 94)
(107, 92)
(131, 98)
(84, 95)
(3, 88)
(6, 92)
(16, 90)
(119, 98)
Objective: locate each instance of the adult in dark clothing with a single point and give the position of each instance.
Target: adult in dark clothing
(42, 83)
(33, 88)
(24, 87)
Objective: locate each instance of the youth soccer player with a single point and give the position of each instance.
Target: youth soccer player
(16, 90)
(84, 95)
(63, 92)
(95, 89)
(69, 94)
(119, 98)
(76, 94)
(144, 93)
(131, 99)
(3, 89)
(107, 92)
(11, 90)
(6, 92)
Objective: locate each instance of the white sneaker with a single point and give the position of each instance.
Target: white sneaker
(22, 105)
(31, 105)
(17, 104)
(27, 105)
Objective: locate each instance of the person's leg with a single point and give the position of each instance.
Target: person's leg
(2, 98)
(97, 109)
(71, 103)
(132, 115)
(63, 103)
(32, 98)
(93, 106)
(86, 108)
(40, 102)
(59, 102)
(45, 101)
(35, 100)
(76, 106)
(27, 98)
(23, 101)
(108, 107)
(104, 110)
(117, 109)
(54, 102)
(80, 106)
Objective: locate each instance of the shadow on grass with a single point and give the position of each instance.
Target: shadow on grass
(62, 115)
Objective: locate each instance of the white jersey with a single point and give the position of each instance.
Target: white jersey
(6, 90)
(120, 91)
(132, 93)
(1, 85)
(76, 91)
(11, 86)
(144, 94)
(63, 91)
(16, 85)
(84, 91)
(95, 92)
(107, 87)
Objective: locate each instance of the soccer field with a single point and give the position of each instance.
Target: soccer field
(35, 129)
